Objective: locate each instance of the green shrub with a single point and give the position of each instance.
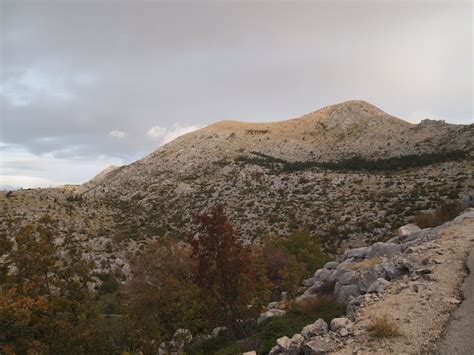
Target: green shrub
(212, 346)
(294, 320)
(265, 334)
(109, 284)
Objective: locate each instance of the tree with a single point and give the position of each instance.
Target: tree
(289, 259)
(161, 294)
(225, 272)
(45, 305)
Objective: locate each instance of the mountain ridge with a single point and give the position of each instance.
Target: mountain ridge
(333, 133)
(350, 183)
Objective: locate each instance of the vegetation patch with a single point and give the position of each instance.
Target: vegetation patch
(444, 213)
(383, 327)
(356, 163)
(266, 333)
(363, 264)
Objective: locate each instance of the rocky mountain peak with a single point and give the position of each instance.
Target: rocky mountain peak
(354, 112)
(353, 107)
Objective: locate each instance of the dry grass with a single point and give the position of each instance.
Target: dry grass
(383, 327)
(311, 304)
(363, 264)
(444, 213)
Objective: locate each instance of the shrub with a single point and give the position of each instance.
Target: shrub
(294, 320)
(45, 305)
(211, 346)
(109, 284)
(383, 327)
(446, 212)
(161, 294)
(312, 305)
(290, 259)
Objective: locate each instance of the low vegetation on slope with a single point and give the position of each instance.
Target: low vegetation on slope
(129, 229)
(355, 163)
(264, 334)
(209, 280)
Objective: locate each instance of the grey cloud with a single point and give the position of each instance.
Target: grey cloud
(129, 66)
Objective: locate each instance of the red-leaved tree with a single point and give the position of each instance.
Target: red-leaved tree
(225, 272)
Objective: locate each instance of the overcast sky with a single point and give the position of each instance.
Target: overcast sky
(86, 84)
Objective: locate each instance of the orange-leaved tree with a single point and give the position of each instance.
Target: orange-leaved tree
(162, 296)
(45, 304)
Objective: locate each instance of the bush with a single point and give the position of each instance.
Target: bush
(297, 317)
(109, 284)
(383, 327)
(211, 346)
(162, 296)
(446, 212)
(266, 333)
(290, 259)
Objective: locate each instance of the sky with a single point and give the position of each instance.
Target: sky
(87, 84)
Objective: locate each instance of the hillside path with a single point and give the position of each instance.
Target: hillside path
(459, 338)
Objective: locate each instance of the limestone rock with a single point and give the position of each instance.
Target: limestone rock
(367, 277)
(218, 330)
(183, 335)
(349, 278)
(382, 249)
(378, 286)
(342, 322)
(271, 313)
(331, 265)
(358, 253)
(319, 345)
(344, 293)
(407, 230)
(319, 327)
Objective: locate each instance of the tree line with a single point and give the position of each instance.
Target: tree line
(355, 163)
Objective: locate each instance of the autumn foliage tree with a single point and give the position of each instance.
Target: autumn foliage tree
(162, 295)
(230, 281)
(45, 305)
(290, 259)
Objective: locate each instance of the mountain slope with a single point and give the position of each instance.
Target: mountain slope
(277, 177)
(271, 178)
(334, 133)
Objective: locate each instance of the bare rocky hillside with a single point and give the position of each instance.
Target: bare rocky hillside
(327, 167)
(332, 134)
(350, 173)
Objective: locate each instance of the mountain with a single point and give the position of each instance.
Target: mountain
(273, 176)
(334, 133)
(349, 173)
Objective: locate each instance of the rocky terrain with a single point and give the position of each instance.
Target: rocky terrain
(400, 295)
(350, 173)
(354, 176)
(272, 177)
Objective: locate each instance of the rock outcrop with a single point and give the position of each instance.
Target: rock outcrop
(375, 280)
